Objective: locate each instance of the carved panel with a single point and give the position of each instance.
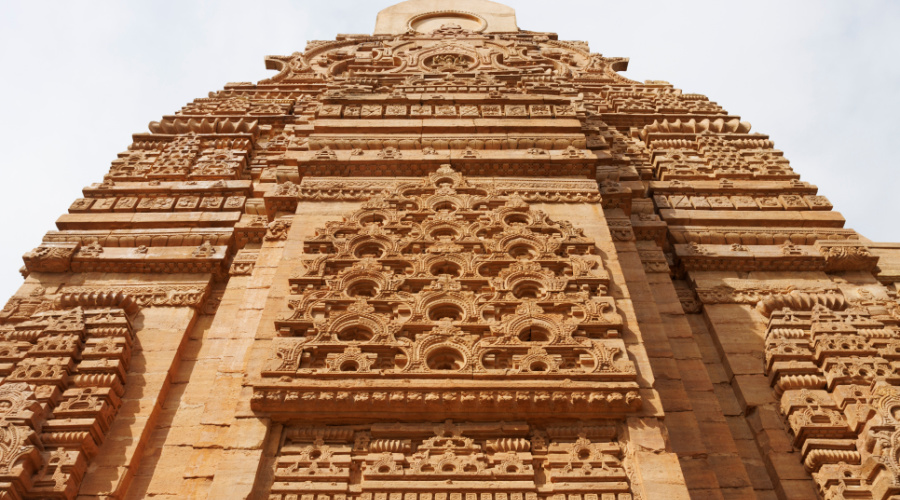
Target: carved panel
(835, 374)
(437, 281)
(64, 380)
(453, 461)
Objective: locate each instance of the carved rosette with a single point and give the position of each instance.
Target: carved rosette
(436, 297)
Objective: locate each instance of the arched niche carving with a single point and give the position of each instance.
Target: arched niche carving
(436, 289)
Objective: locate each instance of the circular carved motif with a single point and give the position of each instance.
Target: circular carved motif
(447, 20)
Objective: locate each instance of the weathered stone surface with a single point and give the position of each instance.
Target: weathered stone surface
(451, 260)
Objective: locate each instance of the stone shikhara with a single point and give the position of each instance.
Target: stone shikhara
(452, 260)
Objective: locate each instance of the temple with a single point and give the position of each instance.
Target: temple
(452, 260)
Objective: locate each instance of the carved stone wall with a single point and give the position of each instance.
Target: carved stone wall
(452, 261)
(68, 354)
(446, 300)
(442, 297)
(63, 381)
(450, 461)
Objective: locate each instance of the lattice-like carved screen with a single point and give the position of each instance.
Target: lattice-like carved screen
(445, 299)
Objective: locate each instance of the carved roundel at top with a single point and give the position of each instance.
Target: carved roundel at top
(447, 20)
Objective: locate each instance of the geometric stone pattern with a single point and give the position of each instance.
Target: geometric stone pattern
(836, 372)
(439, 299)
(439, 281)
(63, 372)
(452, 261)
(452, 460)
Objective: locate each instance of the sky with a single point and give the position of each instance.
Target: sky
(78, 78)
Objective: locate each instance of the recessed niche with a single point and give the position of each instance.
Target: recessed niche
(534, 333)
(528, 290)
(372, 218)
(516, 219)
(445, 182)
(445, 359)
(446, 267)
(355, 333)
(363, 288)
(445, 206)
(538, 366)
(449, 311)
(349, 366)
(522, 251)
(373, 250)
(444, 232)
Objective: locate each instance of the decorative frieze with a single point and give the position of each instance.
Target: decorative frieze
(454, 461)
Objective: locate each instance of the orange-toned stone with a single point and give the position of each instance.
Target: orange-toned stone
(452, 260)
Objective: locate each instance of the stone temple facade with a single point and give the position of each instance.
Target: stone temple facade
(452, 260)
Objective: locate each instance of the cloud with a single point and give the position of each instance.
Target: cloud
(80, 78)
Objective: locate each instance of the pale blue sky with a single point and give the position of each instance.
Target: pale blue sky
(79, 78)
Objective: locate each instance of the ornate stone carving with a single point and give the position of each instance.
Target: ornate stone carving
(448, 294)
(773, 295)
(846, 256)
(130, 296)
(20, 446)
(531, 190)
(54, 258)
(278, 229)
(824, 365)
(56, 404)
(453, 460)
(243, 262)
(205, 250)
(457, 285)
